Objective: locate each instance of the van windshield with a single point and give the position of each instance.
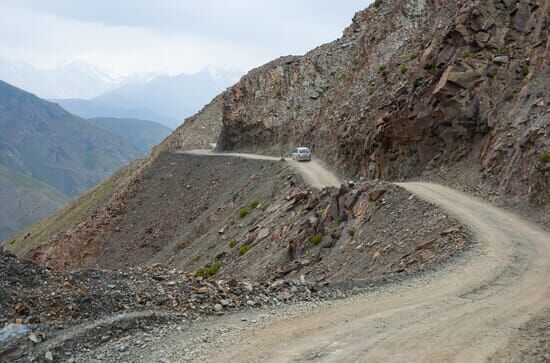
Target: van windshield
(303, 150)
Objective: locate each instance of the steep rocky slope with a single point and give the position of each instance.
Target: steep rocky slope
(410, 86)
(254, 219)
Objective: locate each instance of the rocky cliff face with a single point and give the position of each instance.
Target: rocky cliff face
(410, 86)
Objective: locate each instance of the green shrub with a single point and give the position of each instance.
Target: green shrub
(383, 68)
(414, 56)
(316, 239)
(254, 203)
(209, 270)
(244, 249)
(233, 243)
(351, 232)
(545, 158)
(403, 69)
(432, 69)
(279, 93)
(524, 70)
(243, 212)
(466, 54)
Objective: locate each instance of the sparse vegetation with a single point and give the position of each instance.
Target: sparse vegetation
(243, 212)
(383, 68)
(244, 249)
(466, 54)
(403, 69)
(432, 69)
(316, 239)
(254, 203)
(209, 270)
(524, 70)
(413, 56)
(545, 158)
(278, 93)
(351, 232)
(318, 257)
(233, 243)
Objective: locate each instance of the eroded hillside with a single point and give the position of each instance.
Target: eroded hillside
(256, 219)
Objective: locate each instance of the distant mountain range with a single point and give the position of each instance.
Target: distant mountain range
(74, 79)
(89, 92)
(48, 155)
(166, 99)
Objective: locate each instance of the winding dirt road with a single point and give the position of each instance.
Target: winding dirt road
(462, 313)
(313, 172)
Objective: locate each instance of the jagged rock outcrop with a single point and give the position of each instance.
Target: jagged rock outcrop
(410, 86)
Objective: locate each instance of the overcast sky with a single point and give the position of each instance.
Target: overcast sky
(172, 36)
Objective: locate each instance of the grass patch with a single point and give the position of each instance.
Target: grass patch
(208, 271)
(524, 70)
(403, 69)
(545, 158)
(316, 239)
(413, 56)
(383, 68)
(244, 249)
(233, 243)
(254, 203)
(351, 232)
(243, 212)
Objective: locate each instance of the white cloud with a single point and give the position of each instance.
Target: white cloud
(169, 36)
